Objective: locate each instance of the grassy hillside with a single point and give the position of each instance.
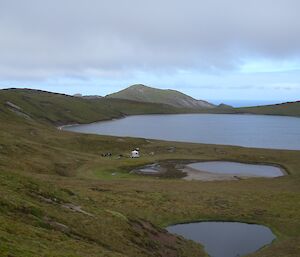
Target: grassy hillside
(61, 109)
(174, 98)
(286, 109)
(146, 94)
(59, 197)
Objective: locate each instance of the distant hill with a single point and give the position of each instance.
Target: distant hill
(285, 109)
(225, 106)
(142, 93)
(88, 96)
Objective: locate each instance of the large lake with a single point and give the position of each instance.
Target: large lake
(261, 131)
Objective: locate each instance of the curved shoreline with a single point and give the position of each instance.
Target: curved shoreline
(234, 139)
(206, 243)
(147, 114)
(201, 175)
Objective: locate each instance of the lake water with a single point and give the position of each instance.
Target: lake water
(226, 239)
(262, 131)
(236, 168)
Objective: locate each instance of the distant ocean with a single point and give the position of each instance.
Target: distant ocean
(244, 103)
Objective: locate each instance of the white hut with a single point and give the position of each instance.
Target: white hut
(135, 154)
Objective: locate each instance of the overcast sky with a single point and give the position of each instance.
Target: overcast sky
(210, 49)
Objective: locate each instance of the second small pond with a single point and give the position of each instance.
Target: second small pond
(218, 170)
(225, 239)
(210, 170)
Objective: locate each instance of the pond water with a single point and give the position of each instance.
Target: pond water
(226, 239)
(239, 169)
(210, 170)
(151, 168)
(262, 131)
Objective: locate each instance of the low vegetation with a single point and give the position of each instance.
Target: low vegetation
(59, 197)
(142, 93)
(58, 109)
(286, 109)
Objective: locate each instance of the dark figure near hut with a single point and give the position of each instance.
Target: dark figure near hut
(106, 154)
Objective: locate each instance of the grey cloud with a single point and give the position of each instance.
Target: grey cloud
(95, 37)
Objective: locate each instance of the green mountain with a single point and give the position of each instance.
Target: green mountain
(59, 197)
(174, 98)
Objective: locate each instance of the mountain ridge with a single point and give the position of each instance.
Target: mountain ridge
(142, 93)
(61, 109)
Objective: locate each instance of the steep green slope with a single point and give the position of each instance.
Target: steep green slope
(175, 98)
(41, 213)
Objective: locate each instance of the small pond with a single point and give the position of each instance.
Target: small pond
(226, 239)
(233, 169)
(151, 168)
(209, 170)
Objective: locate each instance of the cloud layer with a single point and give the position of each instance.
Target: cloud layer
(42, 39)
